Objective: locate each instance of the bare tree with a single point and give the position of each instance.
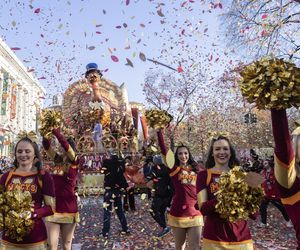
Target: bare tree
(264, 27)
(170, 93)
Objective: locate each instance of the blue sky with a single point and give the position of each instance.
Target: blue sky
(58, 38)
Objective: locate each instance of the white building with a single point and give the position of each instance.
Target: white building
(21, 98)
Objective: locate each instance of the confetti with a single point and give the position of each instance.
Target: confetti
(114, 58)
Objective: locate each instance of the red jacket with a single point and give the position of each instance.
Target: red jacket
(269, 185)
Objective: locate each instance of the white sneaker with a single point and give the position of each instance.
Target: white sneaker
(289, 223)
(260, 224)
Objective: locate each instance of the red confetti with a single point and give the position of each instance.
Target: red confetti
(37, 11)
(98, 32)
(264, 16)
(179, 69)
(15, 48)
(114, 58)
(264, 33)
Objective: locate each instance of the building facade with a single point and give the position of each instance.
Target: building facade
(21, 98)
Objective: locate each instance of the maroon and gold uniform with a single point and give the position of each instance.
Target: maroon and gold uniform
(183, 212)
(288, 182)
(66, 201)
(41, 187)
(219, 233)
(64, 177)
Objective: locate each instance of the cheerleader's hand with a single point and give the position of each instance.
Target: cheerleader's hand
(80, 205)
(26, 215)
(254, 179)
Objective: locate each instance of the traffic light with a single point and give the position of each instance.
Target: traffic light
(250, 118)
(247, 118)
(253, 118)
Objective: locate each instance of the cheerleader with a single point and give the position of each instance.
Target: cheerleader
(184, 219)
(219, 233)
(27, 176)
(287, 172)
(64, 174)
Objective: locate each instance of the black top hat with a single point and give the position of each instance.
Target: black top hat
(92, 67)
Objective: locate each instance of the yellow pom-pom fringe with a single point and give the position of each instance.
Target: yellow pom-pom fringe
(236, 200)
(271, 84)
(158, 119)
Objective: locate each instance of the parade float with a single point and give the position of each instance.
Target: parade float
(97, 129)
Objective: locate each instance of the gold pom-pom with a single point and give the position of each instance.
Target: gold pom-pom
(49, 120)
(237, 200)
(271, 84)
(16, 213)
(216, 134)
(158, 119)
(1, 208)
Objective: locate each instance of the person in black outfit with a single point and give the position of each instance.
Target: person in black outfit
(129, 195)
(115, 185)
(162, 193)
(147, 169)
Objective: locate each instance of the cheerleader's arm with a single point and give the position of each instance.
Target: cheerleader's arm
(285, 172)
(48, 191)
(66, 146)
(205, 206)
(49, 150)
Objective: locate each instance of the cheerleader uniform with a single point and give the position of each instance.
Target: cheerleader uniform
(41, 187)
(183, 212)
(288, 183)
(64, 177)
(219, 233)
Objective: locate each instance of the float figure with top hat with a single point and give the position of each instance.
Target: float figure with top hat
(93, 76)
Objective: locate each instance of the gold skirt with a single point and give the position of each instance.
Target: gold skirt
(4, 245)
(212, 245)
(63, 218)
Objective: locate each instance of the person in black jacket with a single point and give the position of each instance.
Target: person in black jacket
(115, 185)
(162, 188)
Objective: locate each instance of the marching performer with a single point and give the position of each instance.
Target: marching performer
(28, 176)
(64, 174)
(287, 167)
(219, 233)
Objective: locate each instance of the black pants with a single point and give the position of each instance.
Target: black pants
(113, 198)
(264, 206)
(158, 209)
(129, 198)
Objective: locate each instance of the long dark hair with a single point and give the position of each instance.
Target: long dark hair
(210, 162)
(191, 160)
(37, 154)
(59, 159)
